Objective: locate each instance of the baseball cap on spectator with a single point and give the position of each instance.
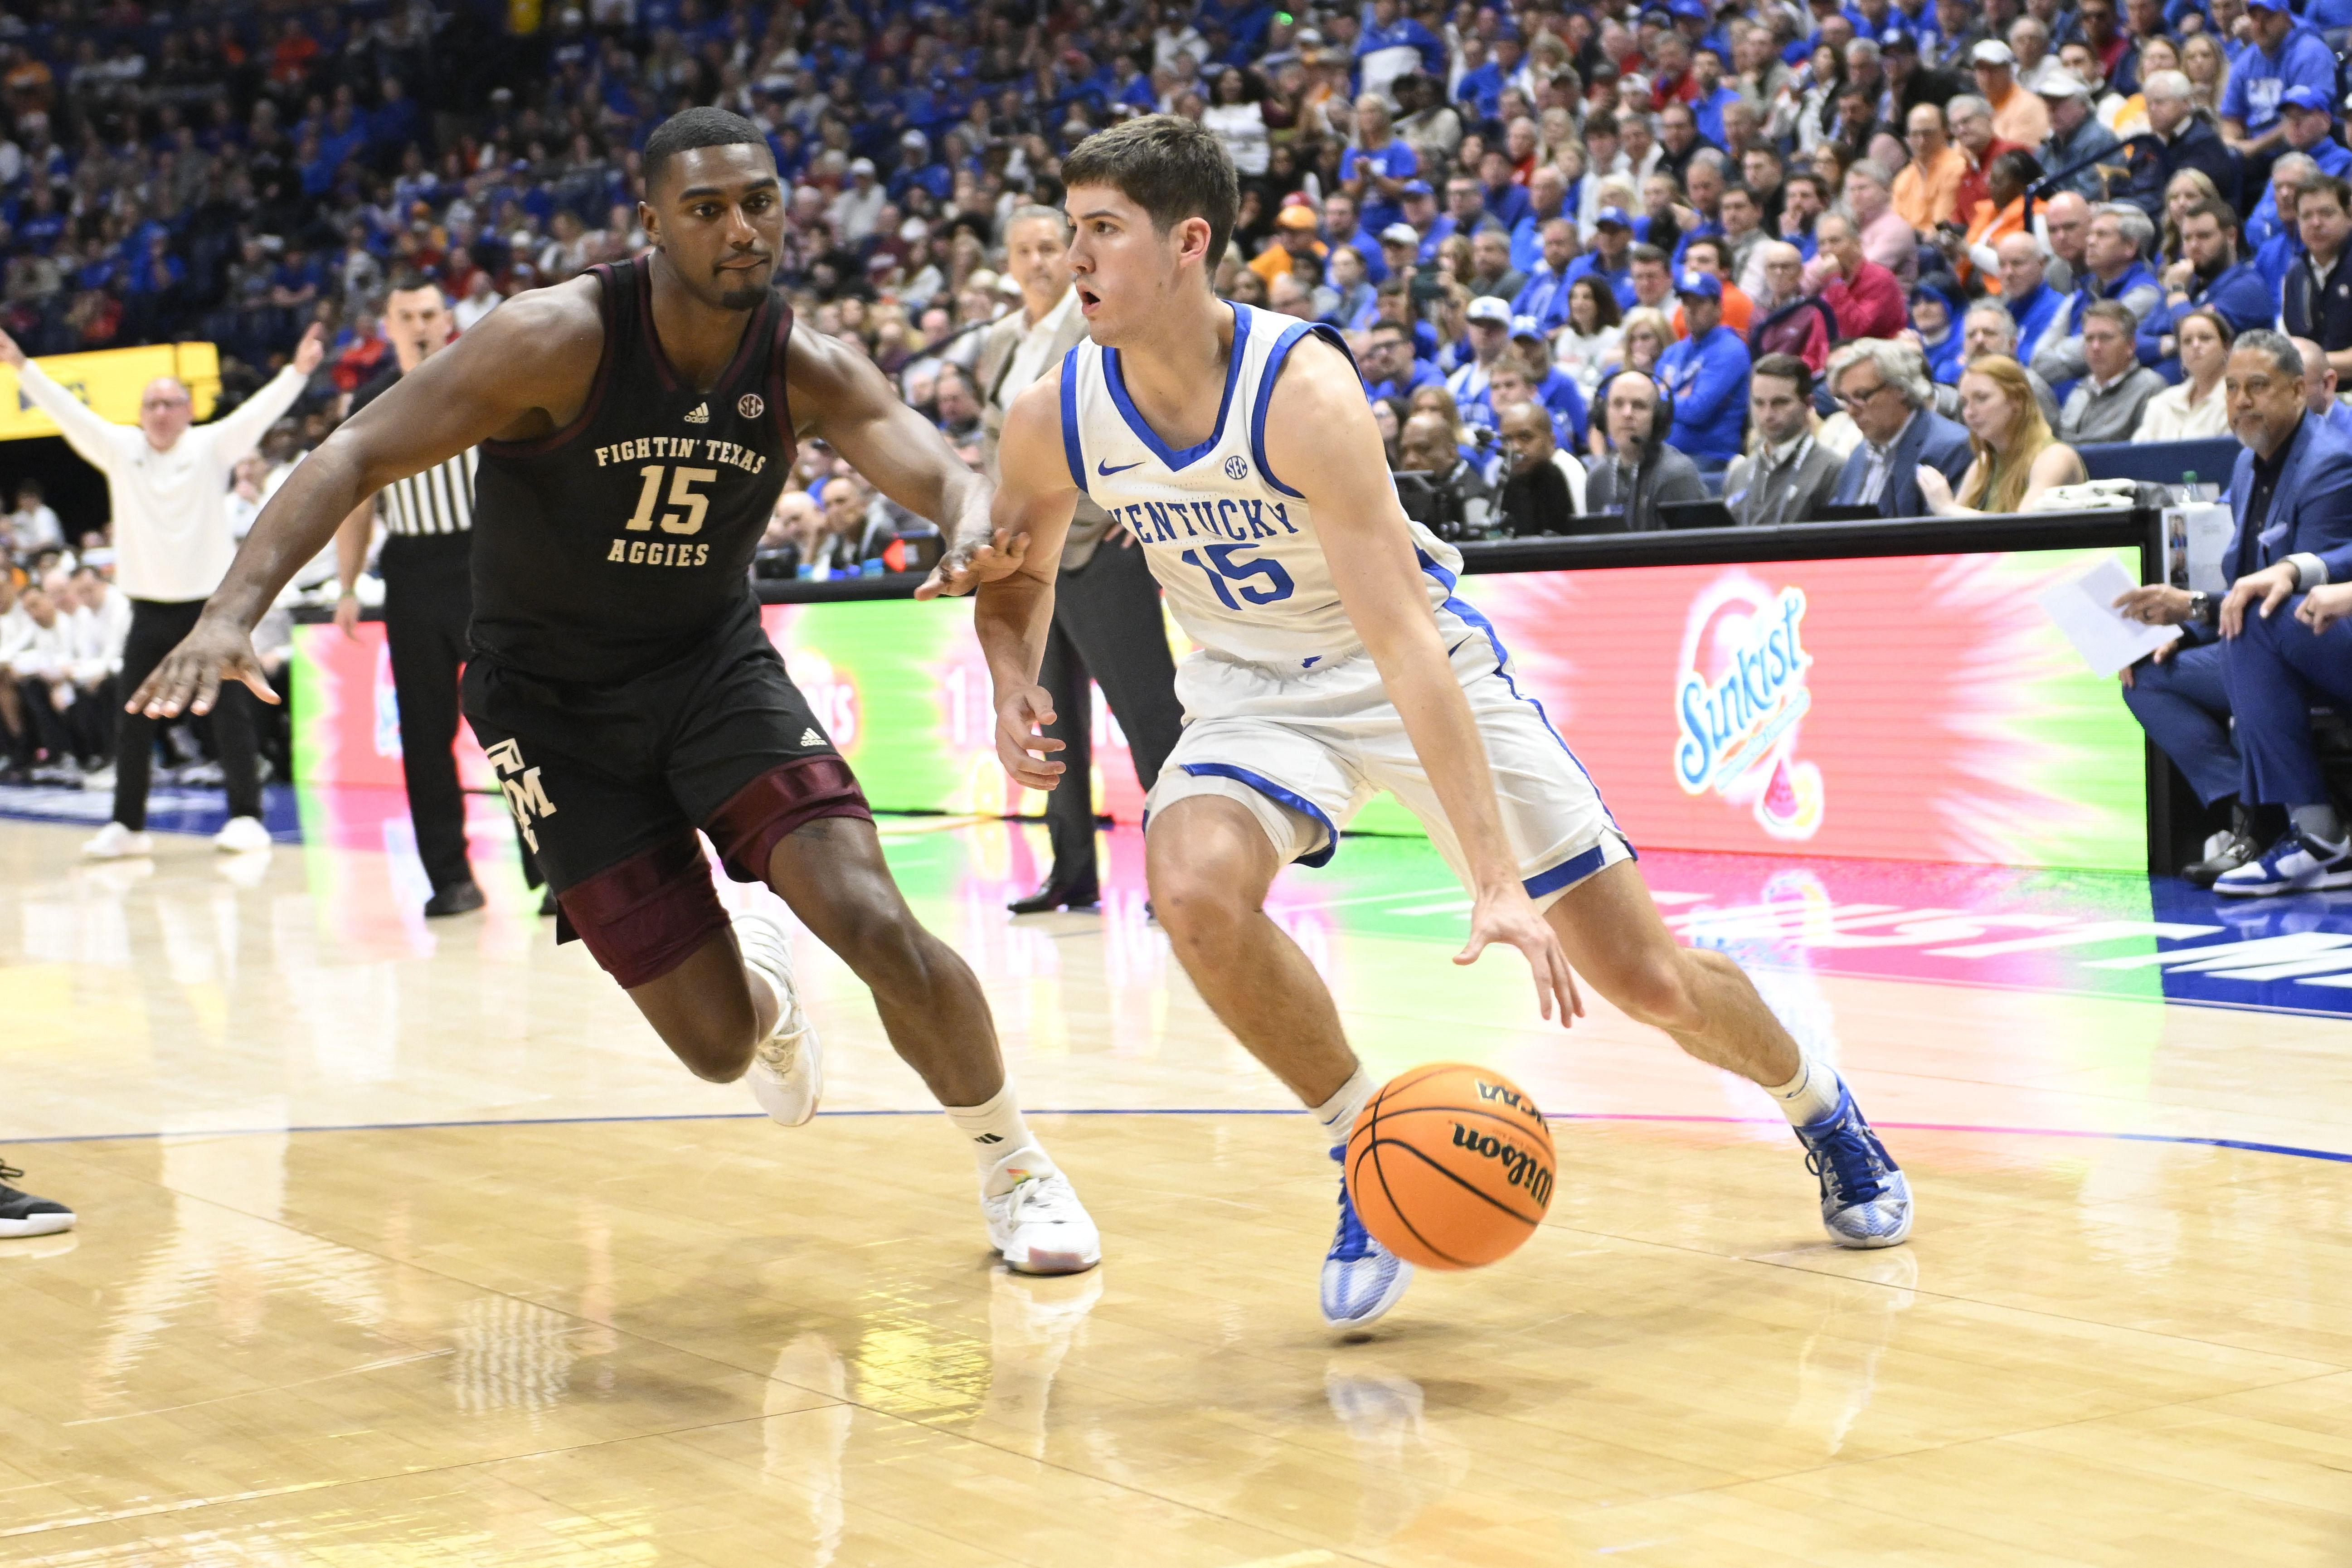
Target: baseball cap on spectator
(1508, 30)
(1697, 10)
(1895, 40)
(1657, 16)
(1706, 285)
(1306, 37)
(915, 141)
(1401, 234)
(861, 166)
(1526, 327)
(1295, 215)
(1486, 308)
(1418, 188)
(2061, 83)
(2310, 99)
(1612, 216)
(2266, 5)
(1992, 52)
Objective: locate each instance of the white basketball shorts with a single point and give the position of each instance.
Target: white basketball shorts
(1304, 752)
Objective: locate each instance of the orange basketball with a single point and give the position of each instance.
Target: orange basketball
(1449, 1166)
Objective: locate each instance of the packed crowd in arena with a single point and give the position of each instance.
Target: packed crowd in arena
(1593, 259)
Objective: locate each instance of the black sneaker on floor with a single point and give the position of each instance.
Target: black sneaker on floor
(2226, 851)
(22, 1213)
(457, 898)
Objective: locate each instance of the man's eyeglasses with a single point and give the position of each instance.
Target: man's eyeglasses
(1856, 399)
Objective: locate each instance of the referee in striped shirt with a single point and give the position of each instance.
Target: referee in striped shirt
(428, 602)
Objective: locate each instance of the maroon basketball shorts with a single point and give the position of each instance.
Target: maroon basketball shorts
(610, 784)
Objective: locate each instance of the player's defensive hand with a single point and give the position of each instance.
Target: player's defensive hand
(190, 677)
(311, 349)
(968, 562)
(1509, 915)
(1026, 752)
(2271, 585)
(2324, 605)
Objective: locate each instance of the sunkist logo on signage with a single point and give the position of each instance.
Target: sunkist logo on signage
(1737, 702)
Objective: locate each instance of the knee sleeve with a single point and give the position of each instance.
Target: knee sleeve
(787, 797)
(646, 915)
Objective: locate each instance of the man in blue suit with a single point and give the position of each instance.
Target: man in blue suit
(1886, 389)
(2291, 494)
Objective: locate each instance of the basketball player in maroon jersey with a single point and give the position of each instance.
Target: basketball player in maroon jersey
(636, 426)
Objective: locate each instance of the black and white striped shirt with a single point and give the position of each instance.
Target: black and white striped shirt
(439, 500)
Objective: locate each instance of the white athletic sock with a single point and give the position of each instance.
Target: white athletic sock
(997, 1132)
(1807, 1097)
(1339, 1113)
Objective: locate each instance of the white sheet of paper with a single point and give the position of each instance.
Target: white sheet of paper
(2210, 528)
(2085, 610)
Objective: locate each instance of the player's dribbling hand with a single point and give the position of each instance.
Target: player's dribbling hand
(970, 562)
(190, 676)
(1509, 915)
(1026, 752)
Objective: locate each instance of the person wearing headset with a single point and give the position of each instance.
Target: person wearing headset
(1640, 472)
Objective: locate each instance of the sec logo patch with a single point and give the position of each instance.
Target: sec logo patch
(1236, 468)
(750, 406)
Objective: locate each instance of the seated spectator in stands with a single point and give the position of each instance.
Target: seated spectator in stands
(2319, 387)
(2075, 133)
(1939, 336)
(2291, 499)
(1926, 191)
(1705, 375)
(959, 410)
(1430, 444)
(1545, 293)
(1587, 340)
(1653, 276)
(33, 527)
(855, 531)
(1391, 367)
(2113, 245)
(1704, 254)
(2106, 402)
(2014, 460)
(1785, 319)
(1974, 254)
(2198, 409)
(2209, 274)
(1492, 275)
(1547, 383)
(1786, 476)
(1643, 338)
(1490, 339)
(2018, 116)
(2184, 140)
(1294, 234)
(2271, 233)
(1393, 302)
(2035, 308)
(1547, 484)
(2315, 298)
(1743, 237)
(1804, 198)
(1887, 236)
(1609, 258)
(1886, 390)
(1640, 472)
(1353, 304)
(1863, 296)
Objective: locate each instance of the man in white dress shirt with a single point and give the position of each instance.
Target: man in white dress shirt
(168, 486)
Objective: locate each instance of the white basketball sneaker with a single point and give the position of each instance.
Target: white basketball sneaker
(1361, 1279)
(240, 836)
(1039, 1227)
(787, 1074)
(116, 842)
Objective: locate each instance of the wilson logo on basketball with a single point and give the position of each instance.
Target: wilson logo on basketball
(1523, 1169)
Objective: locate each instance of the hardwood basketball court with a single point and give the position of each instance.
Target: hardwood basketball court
(412, 1246)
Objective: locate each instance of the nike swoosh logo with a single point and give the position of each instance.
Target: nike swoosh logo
(1106, 471)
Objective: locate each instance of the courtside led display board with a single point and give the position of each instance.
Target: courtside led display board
(1910, 707)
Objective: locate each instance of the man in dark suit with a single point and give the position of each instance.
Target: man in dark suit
(1886, 390)
(1107, 622)
(2291, 494)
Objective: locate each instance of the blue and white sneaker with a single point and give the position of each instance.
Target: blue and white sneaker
(1361, 1279)
(1865, 1201)
(2296, 864)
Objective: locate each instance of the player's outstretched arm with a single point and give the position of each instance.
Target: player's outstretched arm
(1035, 498)
(522, 372)
(840, 396)
(1321, 441)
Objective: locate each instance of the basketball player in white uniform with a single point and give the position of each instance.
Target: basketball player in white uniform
(1336, 660)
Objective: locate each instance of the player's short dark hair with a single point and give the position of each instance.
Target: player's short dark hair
(1787, 367)
(692, 128)
(1172, 167)
(408, 280)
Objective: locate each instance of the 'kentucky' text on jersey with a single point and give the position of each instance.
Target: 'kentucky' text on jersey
(1236, 548)
(626, 538)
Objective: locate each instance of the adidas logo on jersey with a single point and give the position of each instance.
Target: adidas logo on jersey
(699, 414)
(811, 737)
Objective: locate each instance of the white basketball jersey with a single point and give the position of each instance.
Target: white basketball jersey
(1234, 548)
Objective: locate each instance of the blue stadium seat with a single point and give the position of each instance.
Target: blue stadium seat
(2162, 462)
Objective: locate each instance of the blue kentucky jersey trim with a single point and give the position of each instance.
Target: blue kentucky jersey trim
(1274, 792)
(1073, 447)
(1115, 378)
